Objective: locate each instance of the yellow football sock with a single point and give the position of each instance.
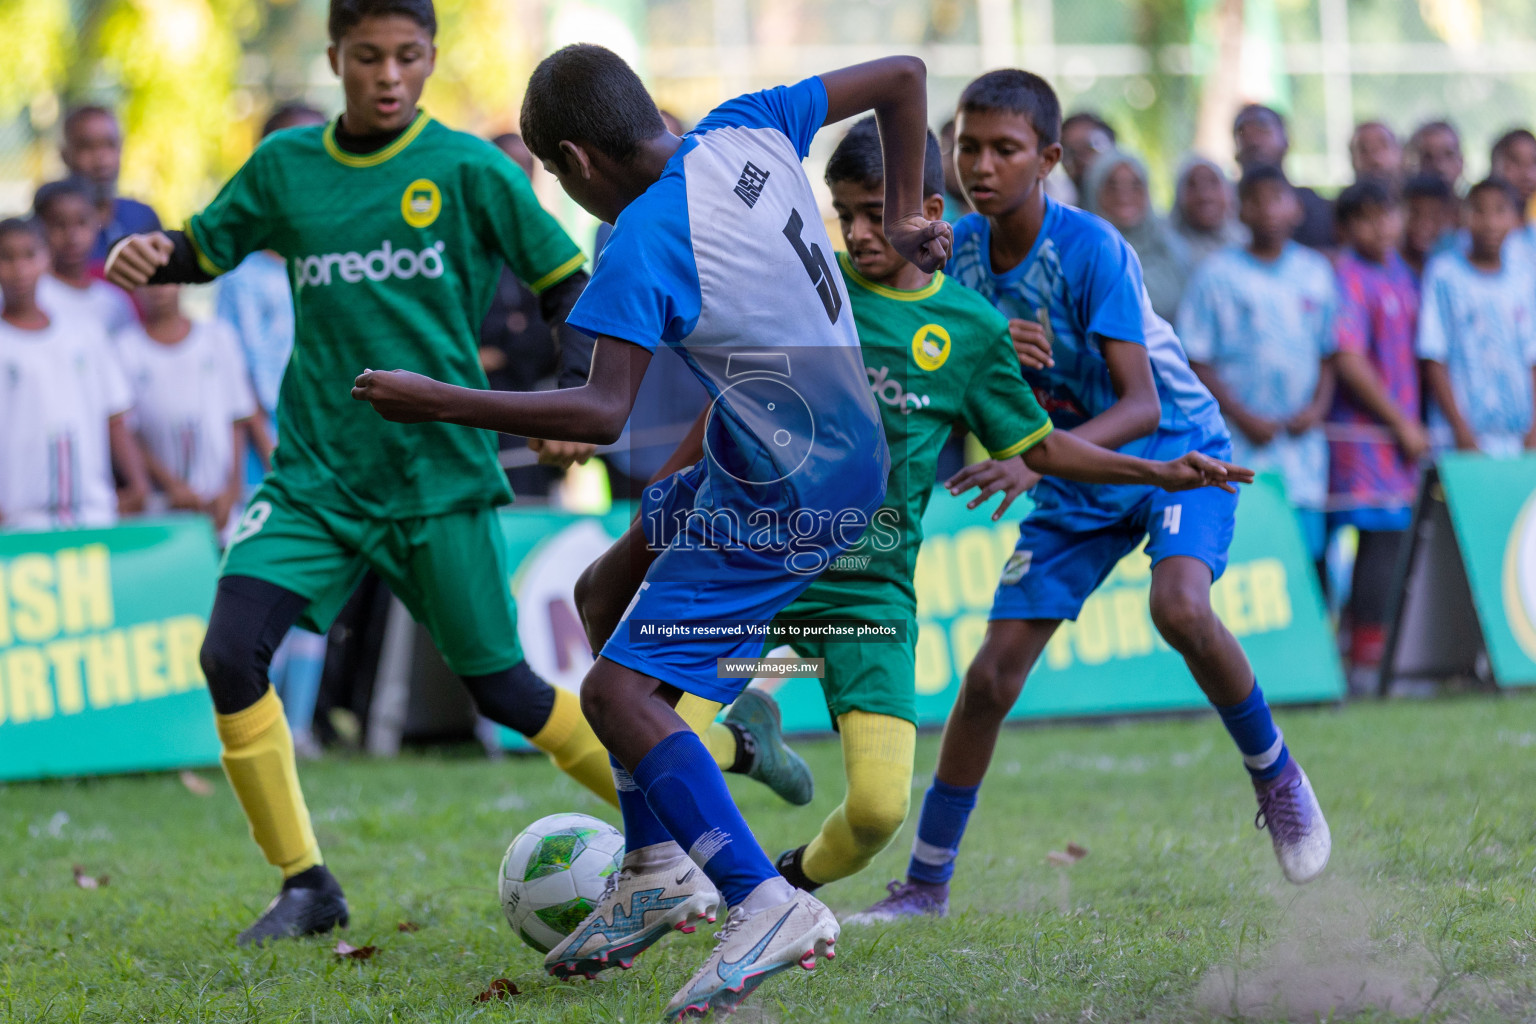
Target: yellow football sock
(258, 759)
(700, 716)
(574, 747)
(721, 744)
(877, 758)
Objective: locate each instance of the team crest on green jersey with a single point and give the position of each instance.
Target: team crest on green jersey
(421, 203)
(930, 346)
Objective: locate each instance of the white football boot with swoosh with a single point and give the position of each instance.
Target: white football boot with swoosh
(658, 890)
(752, 947)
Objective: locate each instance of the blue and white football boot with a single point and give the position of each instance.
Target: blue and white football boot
(658, 890)
(754, 946)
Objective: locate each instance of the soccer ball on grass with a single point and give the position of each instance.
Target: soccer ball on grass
(554, 873)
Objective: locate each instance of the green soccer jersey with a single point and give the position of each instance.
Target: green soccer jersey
(393, 257)
(937, 358)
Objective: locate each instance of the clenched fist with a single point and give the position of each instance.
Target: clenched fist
(134, 260)
(399, 395)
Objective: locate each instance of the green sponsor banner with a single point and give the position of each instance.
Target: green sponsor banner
(1491, 503)
(1110, 661)
(99, 635)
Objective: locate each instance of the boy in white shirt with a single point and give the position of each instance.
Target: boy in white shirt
(62, 403)
(71, 223)
(191, 400)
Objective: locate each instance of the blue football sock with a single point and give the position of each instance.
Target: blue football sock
(1254, 731)
(641, 828)
(946, 809)
(685, 789)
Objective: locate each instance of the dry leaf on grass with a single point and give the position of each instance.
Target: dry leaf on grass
(407, 926)
(501, 988)
(196, 784)
(347, 951)
(86, 881)
(1074, 854)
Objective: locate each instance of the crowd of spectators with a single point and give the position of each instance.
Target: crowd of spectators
(1346, 339)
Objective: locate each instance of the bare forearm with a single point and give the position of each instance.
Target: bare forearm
(1365, 386)
(1327, 387)
(1068, 455)
(568, 414)
(895, 88)
(1231, 407)
(236, 483)
(127, 456)
(1438, 380)
(688, 451)
(1120, 424)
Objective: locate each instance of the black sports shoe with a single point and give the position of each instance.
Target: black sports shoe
(311, 903)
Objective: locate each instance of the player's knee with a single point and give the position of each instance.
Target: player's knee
(236, 674)
(1184, 618)
(990, 688)
(876, 814)
(585, 592)
(517, 697)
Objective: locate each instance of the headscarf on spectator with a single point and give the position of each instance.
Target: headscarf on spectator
(1165, 260)
(1203, 242)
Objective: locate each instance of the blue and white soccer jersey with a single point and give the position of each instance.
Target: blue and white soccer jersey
(1083, 282)
(726, 260)
(1482, 327)
(1266, 327)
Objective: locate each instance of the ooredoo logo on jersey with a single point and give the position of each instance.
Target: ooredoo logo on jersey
(381, 264)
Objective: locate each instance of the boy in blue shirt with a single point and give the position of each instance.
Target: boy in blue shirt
(1109, 370)
(1257, 325)
(794, 465)
(1477, 332)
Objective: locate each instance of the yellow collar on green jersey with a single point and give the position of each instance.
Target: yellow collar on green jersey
(341, 156)
(900, 295)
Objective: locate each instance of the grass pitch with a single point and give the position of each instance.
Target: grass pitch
(1177, 913)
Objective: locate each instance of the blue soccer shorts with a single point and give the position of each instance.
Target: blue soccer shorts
(704, 577)
(1055, 566)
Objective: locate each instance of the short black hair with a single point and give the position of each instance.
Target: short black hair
(1508, 140)
(288, 115)
(1253, 110)
(1258, 175)
(1434, 126)
(1089, 117)
(52, 192)
(19, 226)
(81, 112)
(346, 14)
(1428, 186)
(858, 158)
(586, 93)
(1360, 198)
(1499, 186)
(1017, 92)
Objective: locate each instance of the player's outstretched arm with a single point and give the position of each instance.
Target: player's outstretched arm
(896, 89)
(594, 413)
(1064, 454)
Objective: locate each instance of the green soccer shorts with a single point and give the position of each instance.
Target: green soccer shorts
(880, 677)
(450, 570)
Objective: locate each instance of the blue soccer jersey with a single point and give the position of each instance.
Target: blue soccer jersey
(726, 260)
(1083, 282)
(1482, 326)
